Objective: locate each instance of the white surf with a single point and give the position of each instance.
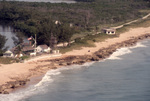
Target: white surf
(41, 86)
(123, 51)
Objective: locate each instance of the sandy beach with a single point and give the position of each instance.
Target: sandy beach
(124, 36)
(38, 66)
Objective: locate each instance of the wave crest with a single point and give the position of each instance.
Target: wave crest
(123, 51)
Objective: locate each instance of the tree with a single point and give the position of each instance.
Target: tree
(65, 34)
(46, 28)
(2, 44)
(17, 41)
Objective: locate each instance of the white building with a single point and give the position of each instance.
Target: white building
(9, 53)
(57, 22)
(55, 51)
(43, 48)
(109, 31)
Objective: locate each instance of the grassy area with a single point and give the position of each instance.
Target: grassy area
(24, 57)
(87, 41)
(144, 11)
(32, 17)
(6, 60)
(140, 23)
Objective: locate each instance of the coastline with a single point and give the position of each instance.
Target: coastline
(23, 72)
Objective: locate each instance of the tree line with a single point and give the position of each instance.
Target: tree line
(2, 44)
(33, 18)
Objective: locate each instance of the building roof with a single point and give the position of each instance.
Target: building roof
(43, 46)
(11, 51)
(109, 29)
(27, 48)
(25, 44)
(8, 52)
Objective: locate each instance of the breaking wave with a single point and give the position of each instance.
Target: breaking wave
(39, 87)
(138, 45)
(122, 51)
(49, 76)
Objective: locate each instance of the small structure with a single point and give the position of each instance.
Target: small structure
(55, 51)
(12, 53)
(33, 54)
(43, 48)
(9, 53)
(71, 25)
(109, 31)
(57, 22)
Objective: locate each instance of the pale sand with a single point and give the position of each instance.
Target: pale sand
(23, 70)
(124, 36)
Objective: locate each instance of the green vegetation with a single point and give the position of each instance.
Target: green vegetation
(2, 44)
(74, 20)
(6, 60)
(87, 41)
(84, 0)
(139, 23)
(24, 57)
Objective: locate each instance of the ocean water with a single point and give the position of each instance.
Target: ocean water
(124, 76)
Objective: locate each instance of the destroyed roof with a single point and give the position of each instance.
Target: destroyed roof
(25, 44)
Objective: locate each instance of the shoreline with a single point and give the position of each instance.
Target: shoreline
(40, 67)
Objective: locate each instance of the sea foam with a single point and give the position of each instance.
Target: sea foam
(41, 86)
(48, 77)
(120, 52)
(126, 50)
(138, 45)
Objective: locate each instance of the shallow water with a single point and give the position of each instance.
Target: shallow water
(125, 76)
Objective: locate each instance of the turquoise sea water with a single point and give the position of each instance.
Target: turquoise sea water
(125, 76)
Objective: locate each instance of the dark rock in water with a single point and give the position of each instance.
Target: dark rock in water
(69, 63)
(22, 82)
(63, 64)
(53, 67)
(99, 55)
(1, 90)
(94, 58)
(9, 86)
(5, 92)
(81, 62)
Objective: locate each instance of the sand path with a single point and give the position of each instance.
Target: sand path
(124, 36)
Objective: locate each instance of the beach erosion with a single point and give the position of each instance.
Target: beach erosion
(17, 75)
